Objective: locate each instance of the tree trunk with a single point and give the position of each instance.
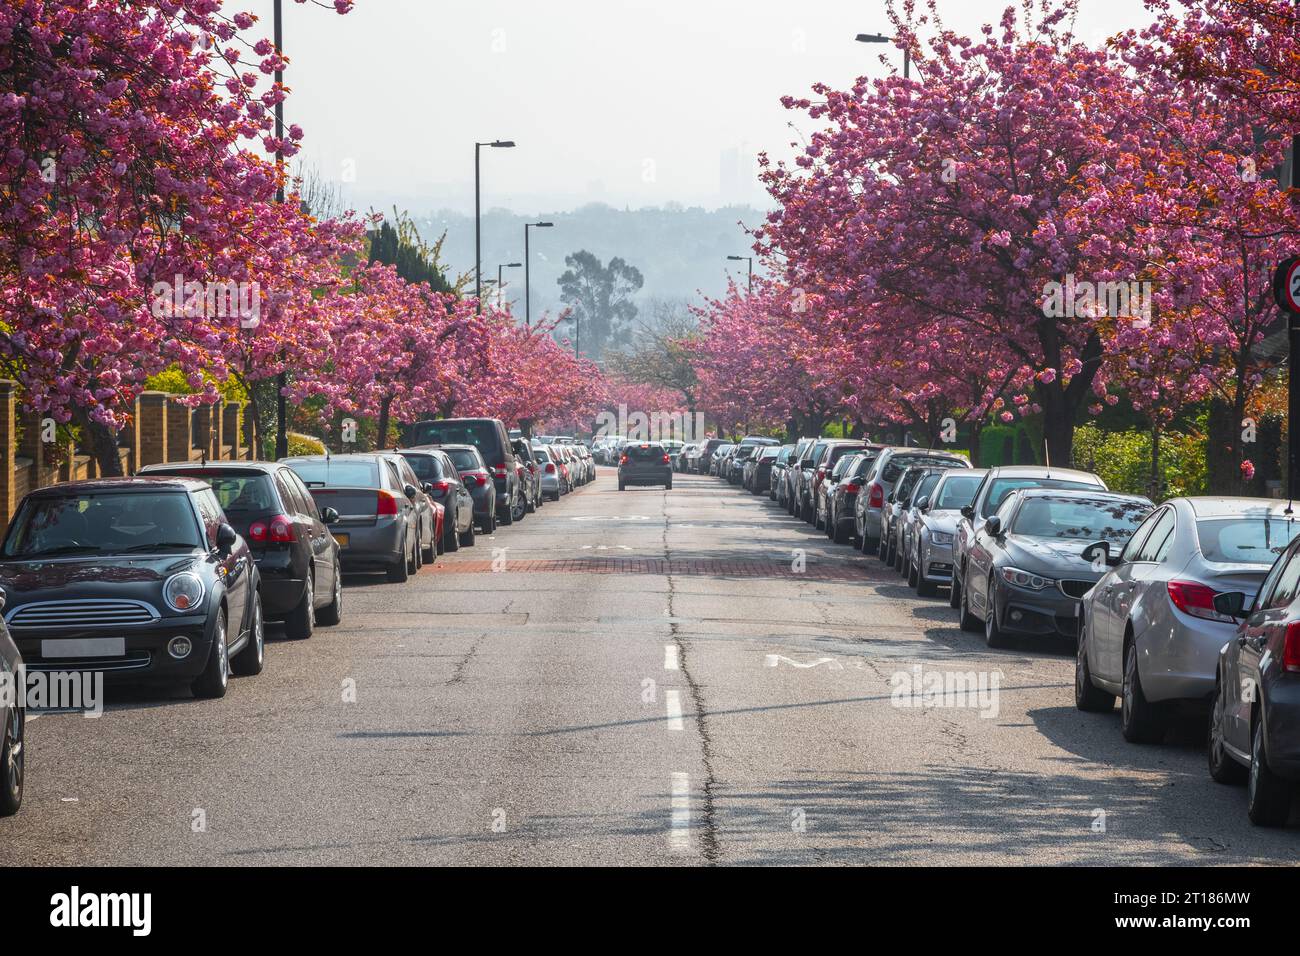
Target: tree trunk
(385, 404)
(103, 446)
(975, 429)
(1154, 485)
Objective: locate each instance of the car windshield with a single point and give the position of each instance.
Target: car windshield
(957, 492)
(1079, 518)
(348, 473)
(1245, 539)
(925, 486)
(1004, 486)
(103, 523)
(426, 467)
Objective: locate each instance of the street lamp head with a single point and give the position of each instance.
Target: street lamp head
(502, 143)
(738, 258)
(513, 265)
(543, 225)
(872, 38)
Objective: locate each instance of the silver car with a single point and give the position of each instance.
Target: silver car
(880, 481)
(552, 479)
(931, 526)
(1150, 632)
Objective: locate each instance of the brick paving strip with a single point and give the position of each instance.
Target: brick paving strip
(661, 566)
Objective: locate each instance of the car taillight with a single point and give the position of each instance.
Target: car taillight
(441, 485)
(277, 530)
(499, 470)
(852, 489)
(666, 458)
(1291, 650)
(877, 496)
(1196, 599)
(479, 478)
(623, 460)
(550, 468)
(387, 503)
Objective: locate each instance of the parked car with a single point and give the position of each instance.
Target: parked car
(378, 523)
(719, 454)
(644, 463)
(13, 742)
(997, 484)
(289, 536)
(776, 473)
(832, 450)
(474, 474)
(428, 512)
(886, 471)
(552, 479)
(786, 493)
(442, 482)
(532, 477)
(841, 497)
(1034, 559)
(139, 578)
(1150, 632)
(735, 471)
(489, 436)
(826, 490)
(758, 471)
(1255, 718)
(903, 524)
(933, 526)
(896, 504)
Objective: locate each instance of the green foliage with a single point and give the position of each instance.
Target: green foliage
(300, 444)
(1123, 460)
(172, 379)
(402, 247)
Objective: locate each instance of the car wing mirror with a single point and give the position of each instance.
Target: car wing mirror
(993, 525)
(410, 491)
(1099, 553)
(1231, 604)
(967, 511)
(428, 488)
(924, 503)
(328, 515)
(226, 538)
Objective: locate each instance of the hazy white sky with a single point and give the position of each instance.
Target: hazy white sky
(628, 102)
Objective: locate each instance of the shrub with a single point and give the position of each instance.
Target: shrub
(1123, 460)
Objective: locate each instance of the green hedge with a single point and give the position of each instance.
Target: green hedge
(1123, 460)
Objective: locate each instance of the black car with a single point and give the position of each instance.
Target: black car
(490, 437)
(841, 495)
(143, 579)
(442, 483)
(12, 760)
(645, 463)
(474, 474)
(297, 557)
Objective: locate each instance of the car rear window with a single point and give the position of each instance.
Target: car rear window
(465, 459)
(426, 467)
(1251, 539)
(238, 490)
(480, 434)
(337, 474)
(644, 452)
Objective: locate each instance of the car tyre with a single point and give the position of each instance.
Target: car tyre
(332, 613)
(1087, 695)
(1141, 722)
(1223, 768)
(968, 621)
(252, 658)
(450, 541)
(399, 572)
(954, 590)
(994, 636)
(301, 622)
(12, 763)
(1268, 796)
(212, 683)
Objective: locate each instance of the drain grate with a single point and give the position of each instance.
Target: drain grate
(662, 566)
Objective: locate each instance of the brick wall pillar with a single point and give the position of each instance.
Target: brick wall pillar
(179, 434)
(152, 428)
(129, 439)
(232, 432)
(8, 447)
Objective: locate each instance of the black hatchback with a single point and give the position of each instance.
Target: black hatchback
(137, 578)
(297, 557)
(644, 463)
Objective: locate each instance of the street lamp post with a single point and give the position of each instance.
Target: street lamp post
(750, 260)
(528, 297)
(880, 38)
(281, 380)
(500, 283)
(478, 243)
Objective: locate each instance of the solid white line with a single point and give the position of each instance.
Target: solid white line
(670, 657)
(679, 836)
(673, 700)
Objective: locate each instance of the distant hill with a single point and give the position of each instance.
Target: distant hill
(679, 250)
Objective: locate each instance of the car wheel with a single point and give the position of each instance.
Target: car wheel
(621, 486)
(508, 517)
(449, 540)
(529, 506)
(467, 536)
(301, 622)
(1087, 695)
(913, 579)
(954, 590)
(924, 588)
(214, 680)
(251, 659)
(413, 559)
(668, 486)
(994, 636)
(1223, 768)
(399, 571)
(967, 621)
(519, 509)
(332, 613)
(1140, 721)
(12, 761)
(838, 534)
(430, 554)
(1268, 796)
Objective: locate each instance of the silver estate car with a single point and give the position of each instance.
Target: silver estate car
(931, 525)
(880, 481)
(1150, 632)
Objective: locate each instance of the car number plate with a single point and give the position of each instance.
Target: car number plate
(84, 647)
(342, 539)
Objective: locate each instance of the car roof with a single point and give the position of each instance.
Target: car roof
(1042, 471)
(137, 483)
(436, 447)
(346, 456)
(1077, 492)
(164, 467)
(1223, 507)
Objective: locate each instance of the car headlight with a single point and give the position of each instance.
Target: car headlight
(940, 537)
(184, 592)
(1025, 579)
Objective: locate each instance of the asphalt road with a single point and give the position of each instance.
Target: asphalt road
(644, 677)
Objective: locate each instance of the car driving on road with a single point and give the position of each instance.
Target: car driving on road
(644, 463)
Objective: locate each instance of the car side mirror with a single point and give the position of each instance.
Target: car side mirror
(226, 538)
(923, 503)
(967, 511)
(328, 516)
(427, 488)
(1231, 603)
(410, 491)
(993, 526)
(1100, 549)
